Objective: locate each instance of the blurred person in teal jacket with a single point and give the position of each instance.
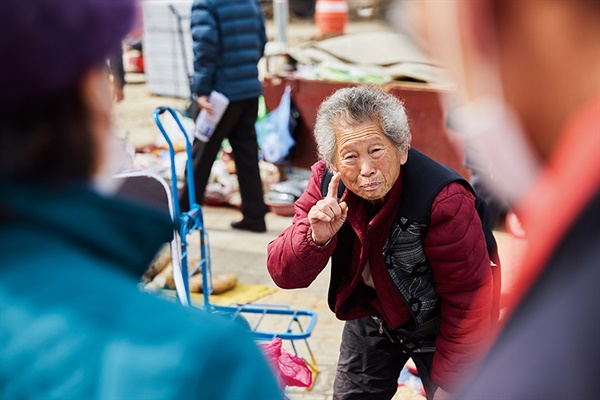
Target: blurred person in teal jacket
(73, 323)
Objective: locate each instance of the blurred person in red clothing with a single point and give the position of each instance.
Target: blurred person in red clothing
(529, 77)
(410, 264)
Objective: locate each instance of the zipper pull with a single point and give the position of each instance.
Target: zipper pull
(381, 327)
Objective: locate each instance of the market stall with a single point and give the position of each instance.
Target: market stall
(315, 70)
(426, 108)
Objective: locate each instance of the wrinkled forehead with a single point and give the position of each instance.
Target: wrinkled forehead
(347, 123)
(358, 134)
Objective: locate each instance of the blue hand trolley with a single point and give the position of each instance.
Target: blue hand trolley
(295, 324)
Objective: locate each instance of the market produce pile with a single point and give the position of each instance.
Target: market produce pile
(282, 185)
(159, 275)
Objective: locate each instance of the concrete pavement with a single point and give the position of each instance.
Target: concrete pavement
(244, 254)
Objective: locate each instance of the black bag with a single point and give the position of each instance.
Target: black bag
(192, 109)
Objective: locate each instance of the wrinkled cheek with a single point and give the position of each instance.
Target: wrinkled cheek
(353, 186)
(349, 179)
(355, 189)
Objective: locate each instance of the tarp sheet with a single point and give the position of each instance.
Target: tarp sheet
(391, 55)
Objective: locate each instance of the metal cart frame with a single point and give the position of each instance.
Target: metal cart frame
(191, 222)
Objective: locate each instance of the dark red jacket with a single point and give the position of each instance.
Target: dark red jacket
(455, 247)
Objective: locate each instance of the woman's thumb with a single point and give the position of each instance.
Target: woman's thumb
(344, 208)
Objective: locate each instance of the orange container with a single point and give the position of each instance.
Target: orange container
(331, 16)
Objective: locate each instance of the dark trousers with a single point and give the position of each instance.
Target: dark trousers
(370, 364)
(237, 124)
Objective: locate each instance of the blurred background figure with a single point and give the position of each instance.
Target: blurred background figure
(117, 70)
(529, 77)
(73, 323)
(229, 40)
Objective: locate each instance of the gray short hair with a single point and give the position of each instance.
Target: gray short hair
(353, 106)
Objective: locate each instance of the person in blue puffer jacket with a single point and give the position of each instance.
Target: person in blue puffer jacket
(229, 39)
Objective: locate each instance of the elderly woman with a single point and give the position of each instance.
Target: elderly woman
(410, 271)
(73, 323)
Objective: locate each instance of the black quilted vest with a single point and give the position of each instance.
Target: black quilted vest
(404, 255)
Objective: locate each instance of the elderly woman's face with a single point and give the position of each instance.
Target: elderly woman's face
(368, 161)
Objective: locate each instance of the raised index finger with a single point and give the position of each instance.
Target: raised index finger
(333, 186)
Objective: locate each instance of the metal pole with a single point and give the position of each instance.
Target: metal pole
(280, 16)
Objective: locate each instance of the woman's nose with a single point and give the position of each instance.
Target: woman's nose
(367, 168)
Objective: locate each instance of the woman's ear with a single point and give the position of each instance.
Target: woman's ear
(96, 94)
(404, 155)
(332, 167)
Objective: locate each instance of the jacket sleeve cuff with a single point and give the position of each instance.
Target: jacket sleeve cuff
(330, 244)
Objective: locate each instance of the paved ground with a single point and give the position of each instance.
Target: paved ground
(245, 253)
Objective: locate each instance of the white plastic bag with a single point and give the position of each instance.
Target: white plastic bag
(273, 131)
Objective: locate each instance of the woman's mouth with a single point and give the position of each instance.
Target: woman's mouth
(371, 186)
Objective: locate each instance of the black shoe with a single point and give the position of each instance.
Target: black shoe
(248, 225)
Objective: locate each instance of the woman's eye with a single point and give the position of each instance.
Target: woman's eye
(349, 157)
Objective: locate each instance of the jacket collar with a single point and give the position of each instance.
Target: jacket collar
(356, 208)
(122, 232)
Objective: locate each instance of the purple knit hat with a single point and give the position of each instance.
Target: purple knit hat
(47, 45)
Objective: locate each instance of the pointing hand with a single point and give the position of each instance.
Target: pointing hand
(327, 216)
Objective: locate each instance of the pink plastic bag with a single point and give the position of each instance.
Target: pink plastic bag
(290, 369)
